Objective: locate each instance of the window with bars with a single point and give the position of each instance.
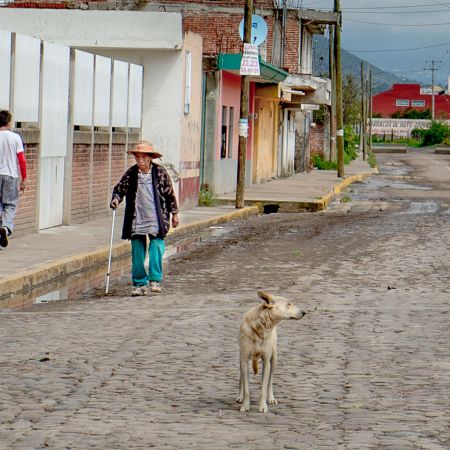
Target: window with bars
(401, 102)
(224, 133)
(226, 140)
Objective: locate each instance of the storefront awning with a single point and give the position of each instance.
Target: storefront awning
(231, 62)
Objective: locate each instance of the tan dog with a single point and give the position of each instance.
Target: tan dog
(258, 339)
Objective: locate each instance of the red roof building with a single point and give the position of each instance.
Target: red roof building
(410, 96)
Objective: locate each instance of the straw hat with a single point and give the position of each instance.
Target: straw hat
(145, 147)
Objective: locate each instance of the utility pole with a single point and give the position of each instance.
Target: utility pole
(245, 89)
(333, 95)
(338, 77)
(368, 138)
(370, 111)
(362, 134)
(433, 69)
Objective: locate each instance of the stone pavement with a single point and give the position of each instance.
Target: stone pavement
(32, 260)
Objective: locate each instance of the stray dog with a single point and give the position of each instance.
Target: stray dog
(258, 339)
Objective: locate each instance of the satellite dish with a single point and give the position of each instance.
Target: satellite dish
(259, 30)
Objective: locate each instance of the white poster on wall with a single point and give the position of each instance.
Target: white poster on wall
(83, 94)
(55, 99)
(102, 94)
(26, 79)
(120, 94)
(5, 68)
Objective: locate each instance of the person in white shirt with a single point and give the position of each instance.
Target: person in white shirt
(12, 162)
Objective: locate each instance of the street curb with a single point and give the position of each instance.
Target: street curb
(326, 200)
(310, 205)
(55, 270)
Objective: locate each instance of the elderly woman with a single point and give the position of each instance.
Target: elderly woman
(150, 203)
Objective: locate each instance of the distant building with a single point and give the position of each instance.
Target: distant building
(411, 96)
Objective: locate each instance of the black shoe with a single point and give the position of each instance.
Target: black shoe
(3, 237)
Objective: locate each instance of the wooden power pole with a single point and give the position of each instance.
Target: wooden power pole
(243, 123)
(433, 69)
(333, 95)
(369, 98)
(338, 78)
(362, 134)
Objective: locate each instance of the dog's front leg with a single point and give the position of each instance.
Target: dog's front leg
(273, 366)
(244, 385)
(265, 381)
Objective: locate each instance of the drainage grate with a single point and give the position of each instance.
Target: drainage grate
(271, 208)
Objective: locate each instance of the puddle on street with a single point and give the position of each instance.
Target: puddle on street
(394, 170)
(422, 208)
(92, 281)
(373, 189)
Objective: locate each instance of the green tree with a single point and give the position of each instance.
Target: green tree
(351, 100)
(436, 134)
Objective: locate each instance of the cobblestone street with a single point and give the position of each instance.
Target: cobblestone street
(367, 368)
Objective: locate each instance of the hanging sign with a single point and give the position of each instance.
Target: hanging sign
(243, 127)
(250, 60)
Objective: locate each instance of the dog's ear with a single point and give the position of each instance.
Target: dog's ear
(267, 298)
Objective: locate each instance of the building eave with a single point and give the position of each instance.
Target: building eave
(316, 91)
(231, 62)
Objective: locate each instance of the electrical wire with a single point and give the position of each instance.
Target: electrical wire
(401, 12)
(399, 24)
(393, 7)
(400, 49)
(439, 3)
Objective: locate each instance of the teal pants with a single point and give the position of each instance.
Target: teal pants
(156, 248)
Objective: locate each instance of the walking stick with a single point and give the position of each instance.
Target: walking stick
(110, 252)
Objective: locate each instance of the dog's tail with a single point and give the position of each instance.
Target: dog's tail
(255, 365)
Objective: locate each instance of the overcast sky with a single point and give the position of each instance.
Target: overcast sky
(392, 25)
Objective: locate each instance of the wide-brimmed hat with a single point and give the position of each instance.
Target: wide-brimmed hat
(145, 147)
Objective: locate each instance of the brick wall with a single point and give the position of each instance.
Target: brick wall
(80, 183)
(91, 200)
(291, 51)
(118, 164)
(100, 194)
(25, 222)
(316, 140)
(219, 31)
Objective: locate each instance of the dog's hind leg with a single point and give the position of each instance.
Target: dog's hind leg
(273, 365)
(264, 385)
(241, 388)
(244, 386)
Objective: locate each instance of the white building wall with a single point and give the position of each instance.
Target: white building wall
(162, 106)
(110, 29)
(151, 39)
(26, 79)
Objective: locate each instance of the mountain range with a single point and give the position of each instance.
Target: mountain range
(351, 64)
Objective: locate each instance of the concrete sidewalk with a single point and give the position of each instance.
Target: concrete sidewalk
(304, 191)
(52, 254)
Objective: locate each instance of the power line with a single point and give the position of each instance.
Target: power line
(399, 24)
(439, 3)
(400, 12)
(399, 49)
(393, 7)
